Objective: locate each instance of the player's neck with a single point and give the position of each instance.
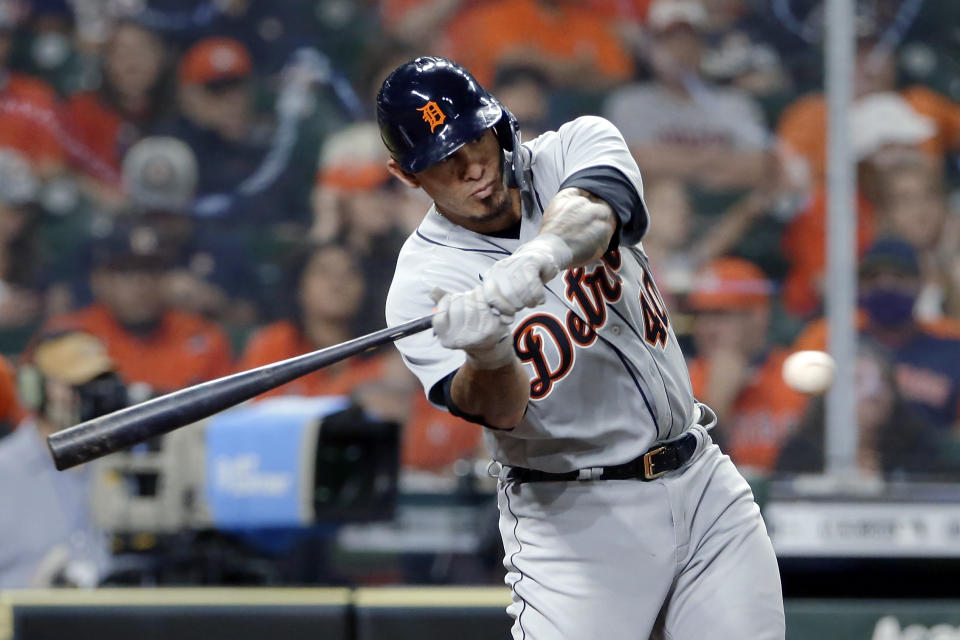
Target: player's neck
(498, 221)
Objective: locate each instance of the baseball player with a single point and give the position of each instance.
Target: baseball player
(620, 518)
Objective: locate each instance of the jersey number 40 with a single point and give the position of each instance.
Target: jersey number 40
(655, 319)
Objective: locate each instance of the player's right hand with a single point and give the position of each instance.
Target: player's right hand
(465, 321)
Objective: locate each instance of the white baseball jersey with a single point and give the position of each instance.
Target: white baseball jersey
(607, 377)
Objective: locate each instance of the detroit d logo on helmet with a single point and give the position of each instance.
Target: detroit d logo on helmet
(432, 115)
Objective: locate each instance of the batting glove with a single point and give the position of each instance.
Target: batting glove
(517, 282)
(465, 321)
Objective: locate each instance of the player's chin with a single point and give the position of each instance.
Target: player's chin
(488, 213)
(496, 202)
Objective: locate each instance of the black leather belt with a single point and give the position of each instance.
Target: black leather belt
(659, 460)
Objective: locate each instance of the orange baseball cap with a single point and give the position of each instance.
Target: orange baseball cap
(354, 178)
(214, 59)
(728, 284)
(354, 159)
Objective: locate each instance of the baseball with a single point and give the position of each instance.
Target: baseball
(809, 371)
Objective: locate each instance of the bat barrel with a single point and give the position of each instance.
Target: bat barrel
(132, 425)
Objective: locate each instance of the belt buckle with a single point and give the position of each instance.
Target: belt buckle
(648, 470)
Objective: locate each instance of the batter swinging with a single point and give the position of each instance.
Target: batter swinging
(620, 518)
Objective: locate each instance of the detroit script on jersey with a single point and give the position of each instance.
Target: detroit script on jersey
(607, 377)
(548, 343)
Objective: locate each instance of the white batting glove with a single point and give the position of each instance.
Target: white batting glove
(517, 282)
(465, 321)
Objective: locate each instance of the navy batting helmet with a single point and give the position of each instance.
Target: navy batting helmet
(430, 107)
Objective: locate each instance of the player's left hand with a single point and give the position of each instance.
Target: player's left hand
(464, 321)
(517, 282)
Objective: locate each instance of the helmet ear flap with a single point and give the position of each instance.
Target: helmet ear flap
(507, 128)
(508, 133)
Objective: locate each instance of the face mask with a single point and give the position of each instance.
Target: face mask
(50, 50)
(888, 307)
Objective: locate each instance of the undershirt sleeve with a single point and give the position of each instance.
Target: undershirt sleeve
(440, 394)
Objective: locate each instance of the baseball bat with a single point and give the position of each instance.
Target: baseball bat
(124, 428)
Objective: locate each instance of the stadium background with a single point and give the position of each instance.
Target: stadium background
(200, 187)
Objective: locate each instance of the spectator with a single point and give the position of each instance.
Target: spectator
(130, 100)
(926, 362)
(21, 256)
(355, 205)
(568, 42)
(329, 288)
(419, 22)
(212, 275)
(736, 370)
(215, 88)
(47, 46)
(525, 91)
(803, 125)
(740, 49)
(884, 130)
(892, 441)
(28, 120)
(675, 250)
(669, 242)
(48, 533)
(217, 118)
(679, 126)
(912, 204)
(151, 343)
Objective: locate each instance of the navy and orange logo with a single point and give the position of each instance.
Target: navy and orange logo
(432, 115)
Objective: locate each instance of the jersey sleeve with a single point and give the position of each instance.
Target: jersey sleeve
(408, 299)
(595, 157)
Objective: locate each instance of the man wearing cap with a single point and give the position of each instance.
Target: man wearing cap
(355, 204)
(736, 370)
(678, 126)
(153, 344)
(214, 87)
(212, 273)
(926, 362)
(47, 534)
(803, 124)
(885, 131)
(216, 117)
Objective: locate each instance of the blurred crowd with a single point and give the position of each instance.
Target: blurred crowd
(199, 187)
